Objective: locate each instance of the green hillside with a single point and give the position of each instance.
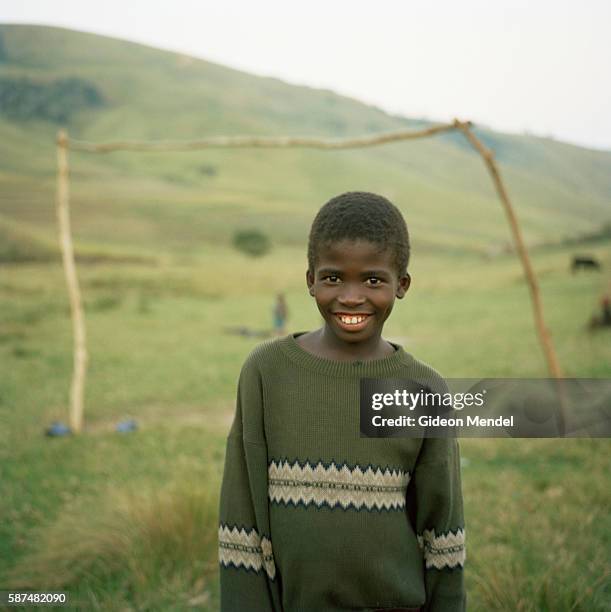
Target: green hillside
(102, 89)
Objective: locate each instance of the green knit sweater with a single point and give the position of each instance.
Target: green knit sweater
(313, 517)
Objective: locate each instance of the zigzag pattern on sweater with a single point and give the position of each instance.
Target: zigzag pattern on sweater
(333, 485)
(444, 550)
(242, 548)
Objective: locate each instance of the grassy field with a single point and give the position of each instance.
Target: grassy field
(129, 521)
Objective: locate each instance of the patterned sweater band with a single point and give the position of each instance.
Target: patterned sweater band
(242, 548)
(332, 485)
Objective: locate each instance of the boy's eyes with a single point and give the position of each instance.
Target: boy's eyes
(372, 281)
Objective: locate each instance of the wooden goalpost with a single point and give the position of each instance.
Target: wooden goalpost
(64, 143)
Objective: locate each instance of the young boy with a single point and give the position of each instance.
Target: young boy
(314, 517)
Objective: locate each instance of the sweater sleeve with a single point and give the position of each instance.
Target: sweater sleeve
(247, 569)
(436, 509)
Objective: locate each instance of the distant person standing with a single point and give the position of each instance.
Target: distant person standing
(280, 315)
(605, 306)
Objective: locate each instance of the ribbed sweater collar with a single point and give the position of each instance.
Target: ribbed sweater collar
(347, 369)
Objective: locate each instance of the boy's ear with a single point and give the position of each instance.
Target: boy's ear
(310, 281)
(404, 283)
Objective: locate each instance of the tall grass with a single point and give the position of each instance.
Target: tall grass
(154, 549)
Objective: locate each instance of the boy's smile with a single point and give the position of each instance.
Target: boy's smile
(355, 284)
(352, 322)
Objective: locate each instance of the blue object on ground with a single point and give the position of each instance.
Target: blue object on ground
(127, 426)
(57, 429)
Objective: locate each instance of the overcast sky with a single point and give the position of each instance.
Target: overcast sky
(539, 65)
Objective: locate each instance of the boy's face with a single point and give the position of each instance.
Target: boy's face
(355, 286)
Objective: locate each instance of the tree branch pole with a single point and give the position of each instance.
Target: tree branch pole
(531, 280)
(258, 142)
(544, 335)
(76, 307)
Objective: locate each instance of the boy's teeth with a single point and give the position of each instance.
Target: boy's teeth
(351, 320)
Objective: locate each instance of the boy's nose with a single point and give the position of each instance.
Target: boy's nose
(351, 296)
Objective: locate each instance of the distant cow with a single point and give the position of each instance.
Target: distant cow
(602, 319)
(587, 262)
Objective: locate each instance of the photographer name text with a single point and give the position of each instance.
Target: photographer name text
(430, 421)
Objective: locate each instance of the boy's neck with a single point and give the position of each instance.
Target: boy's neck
(327, 345)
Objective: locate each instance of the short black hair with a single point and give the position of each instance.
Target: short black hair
(360, 215)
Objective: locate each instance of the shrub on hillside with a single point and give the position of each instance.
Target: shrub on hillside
(252, 242)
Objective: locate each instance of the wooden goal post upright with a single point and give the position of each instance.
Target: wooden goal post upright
(74, 292)
(544, 335)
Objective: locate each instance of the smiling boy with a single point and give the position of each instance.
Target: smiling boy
(313, 516)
